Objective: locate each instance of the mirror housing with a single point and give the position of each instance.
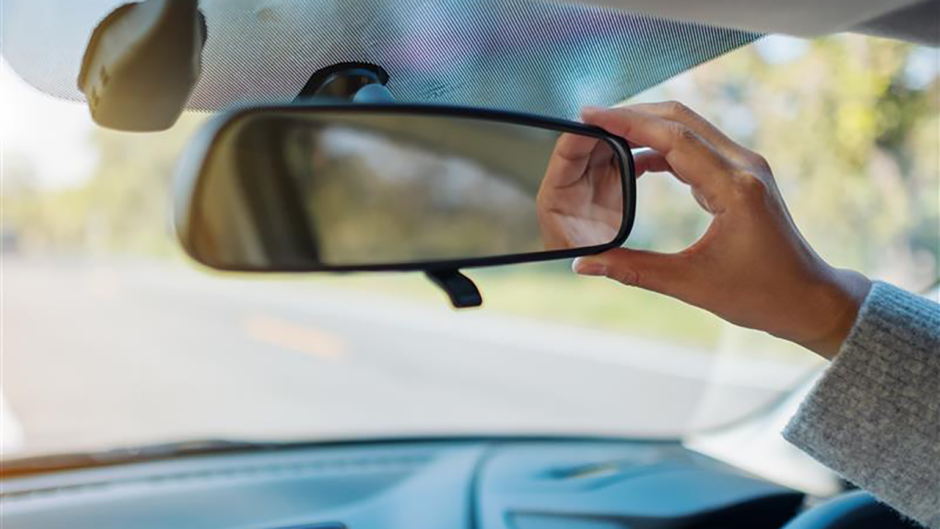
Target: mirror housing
(340, 187)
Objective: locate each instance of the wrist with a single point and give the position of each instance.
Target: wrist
(837, 302)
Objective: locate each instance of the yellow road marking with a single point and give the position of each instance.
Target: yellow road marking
(295, 337)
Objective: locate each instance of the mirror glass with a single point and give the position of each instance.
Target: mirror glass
(295, 190)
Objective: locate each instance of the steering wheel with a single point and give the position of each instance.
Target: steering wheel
(855, 510)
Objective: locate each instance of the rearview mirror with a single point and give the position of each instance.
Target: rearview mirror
(361, 187)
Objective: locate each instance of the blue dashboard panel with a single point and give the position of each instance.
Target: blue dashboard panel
(592, 486)
(500, 484)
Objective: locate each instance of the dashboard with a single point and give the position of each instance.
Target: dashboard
(427, 484)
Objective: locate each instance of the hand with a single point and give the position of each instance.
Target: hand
(751, 267)
(580, 201)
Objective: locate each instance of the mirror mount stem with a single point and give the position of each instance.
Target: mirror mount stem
(361, 82)
(461, 290)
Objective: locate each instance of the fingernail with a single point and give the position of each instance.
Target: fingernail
(587, 268)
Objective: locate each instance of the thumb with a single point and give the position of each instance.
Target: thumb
(653, 271)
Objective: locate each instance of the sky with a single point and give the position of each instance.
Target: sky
(51, 135)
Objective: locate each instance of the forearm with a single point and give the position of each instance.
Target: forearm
(875, 415)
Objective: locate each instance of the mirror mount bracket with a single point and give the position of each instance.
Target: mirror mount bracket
(359, 82)
(461, 290)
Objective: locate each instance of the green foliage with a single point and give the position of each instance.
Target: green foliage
(856, 151)
(124, 207)
(854, 145)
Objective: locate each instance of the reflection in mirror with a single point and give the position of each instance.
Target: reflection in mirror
(287, 190)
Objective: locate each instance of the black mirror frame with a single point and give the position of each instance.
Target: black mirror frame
(192, 166)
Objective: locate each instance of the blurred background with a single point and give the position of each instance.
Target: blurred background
(112, 337)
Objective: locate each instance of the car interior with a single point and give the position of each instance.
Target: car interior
(429, 126)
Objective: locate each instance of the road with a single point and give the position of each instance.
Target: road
(100, 355)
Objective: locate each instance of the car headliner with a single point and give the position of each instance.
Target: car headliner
(913, 20)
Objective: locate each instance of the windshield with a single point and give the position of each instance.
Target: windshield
(111, 338)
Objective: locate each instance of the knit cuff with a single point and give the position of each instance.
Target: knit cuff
(874, 416)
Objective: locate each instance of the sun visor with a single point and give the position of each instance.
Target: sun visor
(548, 58)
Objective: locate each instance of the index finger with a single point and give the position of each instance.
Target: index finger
(675, 111)
(694, 160)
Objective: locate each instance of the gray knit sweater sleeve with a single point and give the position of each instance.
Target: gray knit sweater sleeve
(874, 417)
